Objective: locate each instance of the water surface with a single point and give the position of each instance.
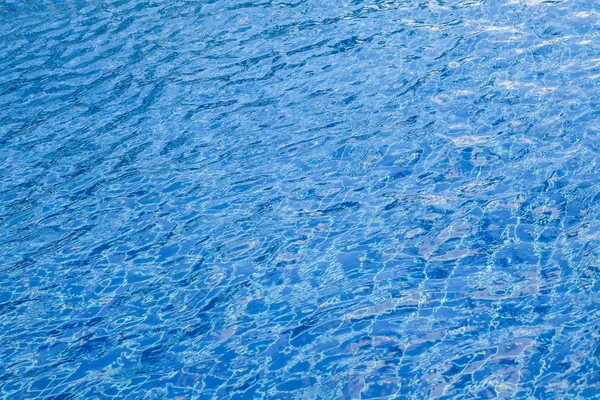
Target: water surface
(238, 199)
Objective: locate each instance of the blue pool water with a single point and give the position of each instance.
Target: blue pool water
(299, 199)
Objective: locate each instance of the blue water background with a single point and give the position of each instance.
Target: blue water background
(299, 199)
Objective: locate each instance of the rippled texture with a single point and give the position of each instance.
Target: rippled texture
(238, 199)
